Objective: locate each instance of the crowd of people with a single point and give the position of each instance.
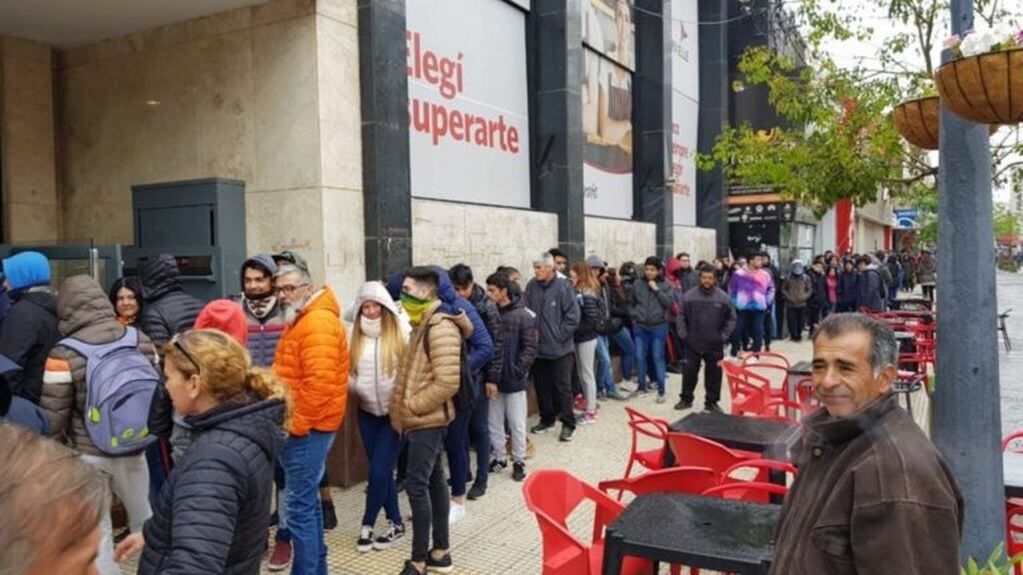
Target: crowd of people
(202, 416)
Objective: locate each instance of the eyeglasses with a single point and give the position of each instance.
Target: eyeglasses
(176, 342)
(289, 290)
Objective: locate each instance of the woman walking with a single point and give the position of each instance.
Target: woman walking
(212, 515)
(587, 293)
(379, 335)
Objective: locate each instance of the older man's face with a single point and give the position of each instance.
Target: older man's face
(542, 272)
(843, 378)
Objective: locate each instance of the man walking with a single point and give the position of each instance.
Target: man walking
(552, 299)
(866, 469)
(752, 290)
(421, 409)
(704, 326)
(312, 360)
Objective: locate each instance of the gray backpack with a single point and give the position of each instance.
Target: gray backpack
(120, 382)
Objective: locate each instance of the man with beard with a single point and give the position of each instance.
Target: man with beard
(263, 311)
(312, 360)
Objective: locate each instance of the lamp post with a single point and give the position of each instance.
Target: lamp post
(966, 423)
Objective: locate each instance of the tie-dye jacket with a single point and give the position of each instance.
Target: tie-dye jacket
(751, 290)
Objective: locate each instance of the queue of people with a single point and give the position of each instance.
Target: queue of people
(233, 406)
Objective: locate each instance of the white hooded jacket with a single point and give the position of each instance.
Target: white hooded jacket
(371, 386)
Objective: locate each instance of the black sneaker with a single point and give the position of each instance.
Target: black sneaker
(410, 569)
(541, 428)
(497, 466)
(566, 434)
(365, 541)
(712, 408)
(518, 471)
(683, 405)
(442, 565)
(394, 533)
(476, 491)
(329, 516)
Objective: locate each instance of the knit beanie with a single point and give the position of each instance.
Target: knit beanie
(27, 269)
(227, 316)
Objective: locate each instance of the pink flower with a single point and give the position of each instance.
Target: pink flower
(952, 41)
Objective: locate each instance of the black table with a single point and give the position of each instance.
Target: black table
(703, 532)
(1012, 470)
(912, 304)
(801, 368)
(772, 438)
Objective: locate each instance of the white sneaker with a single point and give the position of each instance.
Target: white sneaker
(456, 514)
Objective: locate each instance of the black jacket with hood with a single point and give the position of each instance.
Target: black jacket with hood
(168, 310)
(520, 343)
(492, 320)
(29, 332)
(213, 513)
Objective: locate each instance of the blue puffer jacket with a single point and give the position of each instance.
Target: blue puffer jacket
(479, 344)
(213, 513)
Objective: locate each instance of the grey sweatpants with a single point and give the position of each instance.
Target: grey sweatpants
(514, 408)
(129, 480)
(585, 354)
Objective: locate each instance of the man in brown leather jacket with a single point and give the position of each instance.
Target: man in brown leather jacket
(873, 494)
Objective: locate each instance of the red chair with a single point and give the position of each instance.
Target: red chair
(777, 377)
(807, 397)
(752, 491)
(766, 357)
(643, 425)
(552, 495)
(782, 410)
(695, 451)
(671, 480)
(1007, 445)
(763, 467)
(749, 390)
(1014, 534)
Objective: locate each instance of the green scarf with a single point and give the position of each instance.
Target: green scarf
(415, 307)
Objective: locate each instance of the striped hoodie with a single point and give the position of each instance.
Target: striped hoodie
(751, 290)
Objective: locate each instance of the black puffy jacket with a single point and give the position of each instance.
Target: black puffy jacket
(213, 513)
(520, 344)
(29, 332)
(168, 310)
(492, 319)
(591, 307)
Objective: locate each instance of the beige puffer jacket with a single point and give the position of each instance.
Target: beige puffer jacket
(425, 385)
(87, 315)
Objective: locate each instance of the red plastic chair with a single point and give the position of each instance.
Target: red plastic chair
(1014, 534)
(695, 451)
(766, 357)
(671, 480)
(552, 495)
(752, 491)
(777, 377)
(642, 425)
(749, 390)
(763, 467)
(807, 397)
(782, 410)
(1011, 502)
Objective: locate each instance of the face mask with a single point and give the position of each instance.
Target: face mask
(415, 307)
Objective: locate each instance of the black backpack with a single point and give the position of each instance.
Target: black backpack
(465, 397)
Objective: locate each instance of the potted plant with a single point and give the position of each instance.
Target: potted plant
(984, 83)
(918, 119)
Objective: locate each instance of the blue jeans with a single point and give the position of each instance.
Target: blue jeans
(456, 444)
(304, 460)
(750, 326)
(479, 433)
(382, 445)
(624, 340)
(605, 375)
(650, 344)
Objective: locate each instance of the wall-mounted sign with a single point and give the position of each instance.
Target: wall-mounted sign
(751, 190)
(607, 129)
(906, 217)
(609, 29)
(468, 101)
(685, 109)
(760, 213)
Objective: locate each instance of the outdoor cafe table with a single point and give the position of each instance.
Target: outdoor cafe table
(1012, 470)
(771, 438)
(702, 532)
(912, 304)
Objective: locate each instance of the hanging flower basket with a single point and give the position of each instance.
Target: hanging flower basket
(918, 121)
(984, 87)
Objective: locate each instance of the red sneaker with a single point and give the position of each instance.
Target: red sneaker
(280, 557)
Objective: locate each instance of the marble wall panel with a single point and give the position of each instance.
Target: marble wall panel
(619, 241)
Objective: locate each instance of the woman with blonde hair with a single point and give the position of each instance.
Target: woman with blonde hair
(213, 513)
(379, 335)
(587, 293)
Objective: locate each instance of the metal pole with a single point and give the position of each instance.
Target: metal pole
(966, 414)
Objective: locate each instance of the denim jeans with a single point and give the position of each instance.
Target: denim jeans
(605, 375)
(650, 345)
(457, 446)
(304, 460)
(624, 340)
(479, 434)
(750, 326)
(382, 445)
(427, 491)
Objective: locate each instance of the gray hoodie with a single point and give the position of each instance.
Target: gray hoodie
(557, 313)
(650, 308)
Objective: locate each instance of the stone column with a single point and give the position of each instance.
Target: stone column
(651, 121)
(28, 174)
(387, 187)
(966, 423)
(555, 70)
(711, 193)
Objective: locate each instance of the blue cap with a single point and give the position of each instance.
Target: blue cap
(27, 269)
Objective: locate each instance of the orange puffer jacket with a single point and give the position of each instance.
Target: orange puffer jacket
(312, 359)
